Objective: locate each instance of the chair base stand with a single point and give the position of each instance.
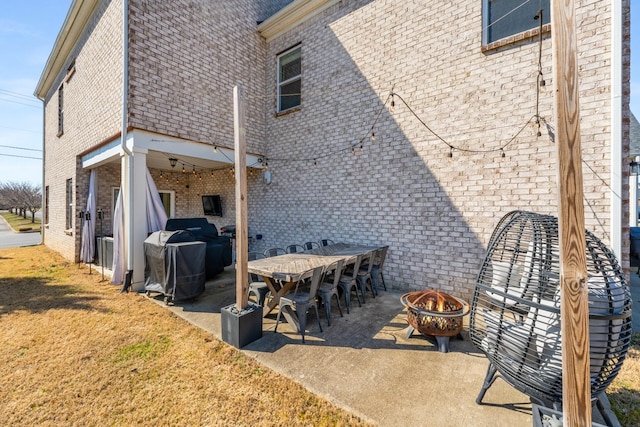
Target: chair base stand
(241, 327)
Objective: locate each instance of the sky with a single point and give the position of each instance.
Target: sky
(28, 30)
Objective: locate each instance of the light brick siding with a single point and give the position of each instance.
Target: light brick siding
(186, 57)
(92, 99)
(401, 190)
(436, 215)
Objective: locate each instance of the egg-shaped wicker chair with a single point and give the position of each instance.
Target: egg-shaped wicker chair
(515, 309)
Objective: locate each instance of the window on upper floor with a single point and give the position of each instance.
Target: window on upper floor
(61, 110)
(505, 18)
(69, 193)
(289, 78)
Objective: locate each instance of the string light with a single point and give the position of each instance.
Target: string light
(392, 107)
(373, 136)
(502, 154)
(161, 177)
(183, 171)
(450, 155)
(361, 148)
(215, 148)
(266, 164)
(194, 170)
(315, 164)
(353, 151)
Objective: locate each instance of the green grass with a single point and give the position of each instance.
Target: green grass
(19, 223)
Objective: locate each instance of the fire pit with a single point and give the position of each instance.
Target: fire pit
(434, 314)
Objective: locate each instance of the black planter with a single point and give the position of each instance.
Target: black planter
(241, 327)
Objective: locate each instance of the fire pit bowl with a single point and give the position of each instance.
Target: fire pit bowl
(435, 314)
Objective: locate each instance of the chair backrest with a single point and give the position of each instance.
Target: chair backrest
(367, 260)
(316, 275)
(337, 268)
(294, 249)
(356, 267)
(381, 255)
(252, 257)
(274, 252)
(326, 242)
(311, 245)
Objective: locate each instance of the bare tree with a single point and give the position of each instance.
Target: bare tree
(21, 197)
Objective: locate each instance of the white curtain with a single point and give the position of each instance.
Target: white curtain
(88, 247)
(118, 241)
(156, 215)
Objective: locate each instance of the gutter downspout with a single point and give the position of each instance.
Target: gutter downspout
(616, 128)
(44, 152)
(123, 142)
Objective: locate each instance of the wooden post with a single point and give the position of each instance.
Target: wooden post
(242, 242)
(574, 310)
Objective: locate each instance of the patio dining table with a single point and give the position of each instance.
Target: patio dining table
(282, 272)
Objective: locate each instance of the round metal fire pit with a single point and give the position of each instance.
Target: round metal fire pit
(435, 313)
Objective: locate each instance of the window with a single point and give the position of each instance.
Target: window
(168, 201)
(289, 79)
(61, 110)
(70, 204)
(504, 18)
(46, 204)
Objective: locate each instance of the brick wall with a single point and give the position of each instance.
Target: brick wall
(92, 99)
(436, 215)
(186, 57)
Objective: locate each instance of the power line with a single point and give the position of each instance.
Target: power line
(19, 148)
(22, 157)
(18, 95)
(21, 103)
(22, 130)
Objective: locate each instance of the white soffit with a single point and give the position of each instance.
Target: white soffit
(291, 15)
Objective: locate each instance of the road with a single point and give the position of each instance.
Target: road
(10, 239)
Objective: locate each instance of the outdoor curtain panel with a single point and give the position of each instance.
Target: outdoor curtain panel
(156, 220)
(88, 247)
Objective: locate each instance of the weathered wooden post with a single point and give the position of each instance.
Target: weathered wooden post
(241, 322)
(574, 309)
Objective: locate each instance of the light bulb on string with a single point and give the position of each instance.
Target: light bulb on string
(183, 171)
(315, 164)
(361, 148)
(502, 154)
(215, 148)
(373, 136)
(199, 177)
(194, 170)
(392, 107)
(266, 164)
(450, 155)
(353, 151)
(161, 177)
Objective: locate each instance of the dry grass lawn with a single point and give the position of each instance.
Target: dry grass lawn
(76, 352)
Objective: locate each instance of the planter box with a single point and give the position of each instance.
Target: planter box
(240, 328)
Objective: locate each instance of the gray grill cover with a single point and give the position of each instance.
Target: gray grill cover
(174, 264)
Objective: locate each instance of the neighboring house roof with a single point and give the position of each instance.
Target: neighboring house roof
(76, 20)
(634, 137)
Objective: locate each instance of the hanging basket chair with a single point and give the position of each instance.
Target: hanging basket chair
(515, 309)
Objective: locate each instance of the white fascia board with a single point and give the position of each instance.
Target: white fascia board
(293, 14)
(182, 147)
(79, 15)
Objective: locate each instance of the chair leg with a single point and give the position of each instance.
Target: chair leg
(383, 284)
(277, 319)
(327, 307)
(338, 301)
(315, 306)
(362, 285)
(302, 319)
(347, 298)
(357, 297)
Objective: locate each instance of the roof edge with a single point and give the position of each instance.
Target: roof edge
(74, 24)
(293, 14)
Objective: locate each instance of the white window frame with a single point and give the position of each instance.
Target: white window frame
(172, 201)
(290, 80)
(70, 213)
(485, 20)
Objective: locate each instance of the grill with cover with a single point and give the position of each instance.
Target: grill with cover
(515, 309)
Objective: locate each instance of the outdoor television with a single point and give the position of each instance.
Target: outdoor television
(212, 205)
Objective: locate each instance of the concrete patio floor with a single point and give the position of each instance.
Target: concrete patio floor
(364, 363)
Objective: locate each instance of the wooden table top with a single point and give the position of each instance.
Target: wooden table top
(290, 267)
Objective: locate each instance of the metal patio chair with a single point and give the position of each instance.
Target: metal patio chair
(294, 249)
(376, 269)
(329, 287)
(271, 252)
(257, 288)
(348, 281)
(302, 299)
